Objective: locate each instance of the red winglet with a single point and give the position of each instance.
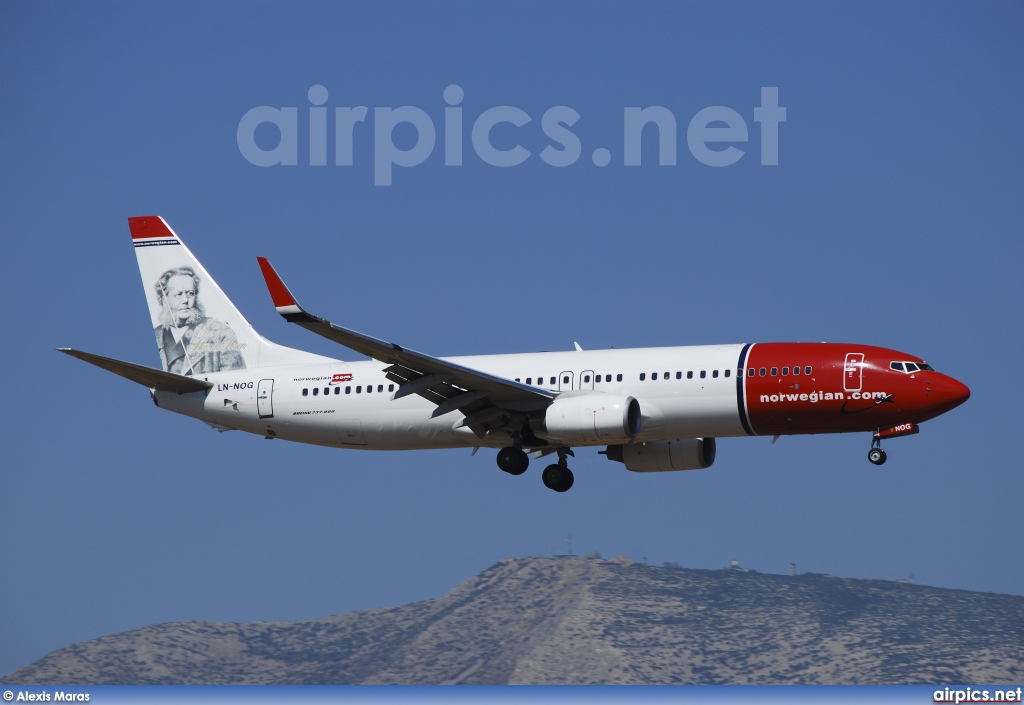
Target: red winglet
(278, 291)
(149, 226)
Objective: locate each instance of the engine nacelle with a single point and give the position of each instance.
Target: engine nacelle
(587, 419)
(662, 456)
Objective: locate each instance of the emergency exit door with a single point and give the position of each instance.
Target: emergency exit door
(565, 381)
(586, 379)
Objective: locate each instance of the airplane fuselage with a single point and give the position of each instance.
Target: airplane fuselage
(684, 392)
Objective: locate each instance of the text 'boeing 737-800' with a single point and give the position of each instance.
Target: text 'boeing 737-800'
(654, 409)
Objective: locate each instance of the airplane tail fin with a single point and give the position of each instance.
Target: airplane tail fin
(198, 330)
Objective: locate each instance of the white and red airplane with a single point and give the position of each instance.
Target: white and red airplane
(655, 409)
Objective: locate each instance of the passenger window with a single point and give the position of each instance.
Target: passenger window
(380, 387)
(337, 390)
(703, 374)
(775, 371)
(391, 387)
(517, 379)
(666, 375)
(807, 370)
(727, 373)
(642, 376)
(587, 379)
(715, 374)
(529, 380)
(316, 390)
(359, 389)
(689, 375)
(597, 378)
(750, 372)
(565, 380)
(369, 388)
(679, 375)
(552, 381)
(911, 367)
(348, 390)
(762, 372)
(785, 371)
(607, 378)
(898, 366)
(796, 370)
(305, 392)
(618, 378)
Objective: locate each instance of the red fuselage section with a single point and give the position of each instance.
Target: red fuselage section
(791, 388)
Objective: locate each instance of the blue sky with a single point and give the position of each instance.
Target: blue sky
(893, 218)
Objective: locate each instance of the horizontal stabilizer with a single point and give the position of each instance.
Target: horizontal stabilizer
(146, 376)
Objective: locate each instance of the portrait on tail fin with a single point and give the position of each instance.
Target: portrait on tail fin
(191, 343)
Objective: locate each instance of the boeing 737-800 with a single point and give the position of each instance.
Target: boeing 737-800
(654, 409)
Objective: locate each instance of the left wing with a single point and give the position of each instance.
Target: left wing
(488, 402)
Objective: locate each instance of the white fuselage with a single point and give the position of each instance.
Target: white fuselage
(280, 401)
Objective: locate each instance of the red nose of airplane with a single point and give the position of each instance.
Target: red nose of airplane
(948, 393)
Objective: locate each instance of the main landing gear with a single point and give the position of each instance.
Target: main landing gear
(876, 456)
(513, 460)
(558, 477)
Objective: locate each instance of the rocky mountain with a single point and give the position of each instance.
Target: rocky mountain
(573, 620)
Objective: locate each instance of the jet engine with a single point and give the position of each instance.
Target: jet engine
(661, 456)
(592, 418)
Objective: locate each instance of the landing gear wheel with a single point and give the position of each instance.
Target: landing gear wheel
(876, 456)
(557, 477)
(513, 460)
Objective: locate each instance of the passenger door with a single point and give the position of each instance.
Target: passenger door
(853, 372)
(265, 399)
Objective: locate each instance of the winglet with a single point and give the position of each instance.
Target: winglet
(283, 300)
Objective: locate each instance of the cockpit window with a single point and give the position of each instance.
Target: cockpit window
(910, 367)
